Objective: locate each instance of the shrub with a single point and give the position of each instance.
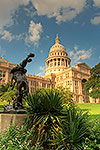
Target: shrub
(18, 137)
(71, 135)
(45, 109)
(93, 141)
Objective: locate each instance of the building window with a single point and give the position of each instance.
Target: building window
(34, 83)
(57, 79)
(37, 84)
(44, 85)
(76, 83)
(58, 61)
(31, 90)
(51, 64)
(67, 75)
(48, 85)
(61, 84)
(61, 77)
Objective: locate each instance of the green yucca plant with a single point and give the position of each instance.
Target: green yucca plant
(45, 102)
(72, 133)
(45, 109)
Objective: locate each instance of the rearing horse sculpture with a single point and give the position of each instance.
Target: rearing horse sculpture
(18, 75)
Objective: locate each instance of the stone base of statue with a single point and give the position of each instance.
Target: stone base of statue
(10, 109)
(5, 119)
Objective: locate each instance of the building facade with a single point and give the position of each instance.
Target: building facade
(58, 73)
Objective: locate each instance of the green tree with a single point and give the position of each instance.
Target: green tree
(92, 86)
(4, 88)
(65, 93)
(7, 93)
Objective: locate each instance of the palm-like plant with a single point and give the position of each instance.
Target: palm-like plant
(73, 131)
(45, 109)
(4, 88)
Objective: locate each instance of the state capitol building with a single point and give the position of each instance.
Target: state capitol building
(58, 73)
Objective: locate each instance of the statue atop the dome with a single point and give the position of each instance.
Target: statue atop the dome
(57, 39)
(19, 77)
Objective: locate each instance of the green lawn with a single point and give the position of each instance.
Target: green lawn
(92, 108)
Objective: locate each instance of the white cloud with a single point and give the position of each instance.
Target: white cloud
(63, 10)
(42, 71)
(47, 36)
(30, 12)
(71, 53)
(19, 36)
(96, 3)
(6, 35)
(42, 68)
(95, 20)
(33, 36)
(41, 51)
(85, 54)
(7, 9)
(76, 47)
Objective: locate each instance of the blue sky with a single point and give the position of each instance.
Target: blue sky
(31, 26)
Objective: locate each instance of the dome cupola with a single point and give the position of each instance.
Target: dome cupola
(57, 58)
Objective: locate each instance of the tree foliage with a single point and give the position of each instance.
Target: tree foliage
(4, 88)
(65, 93)
(7, 93)
(92, 86)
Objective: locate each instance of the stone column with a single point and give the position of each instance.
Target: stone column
(67, 63)
(80, 92)
(6, 76)
(73, 86)
(60, 61)
(80, 87)
(64, 62)
(57, 62)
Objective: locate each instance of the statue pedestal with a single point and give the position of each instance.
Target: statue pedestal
(6, 118)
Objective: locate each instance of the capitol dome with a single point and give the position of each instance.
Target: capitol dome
(57, 58)
(57, 46)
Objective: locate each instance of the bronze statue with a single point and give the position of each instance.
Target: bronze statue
(19, 77)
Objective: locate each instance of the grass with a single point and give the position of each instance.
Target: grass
(92, 108)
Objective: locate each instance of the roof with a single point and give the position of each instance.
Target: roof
(4, 61)
(57, 46)
(83, 64)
